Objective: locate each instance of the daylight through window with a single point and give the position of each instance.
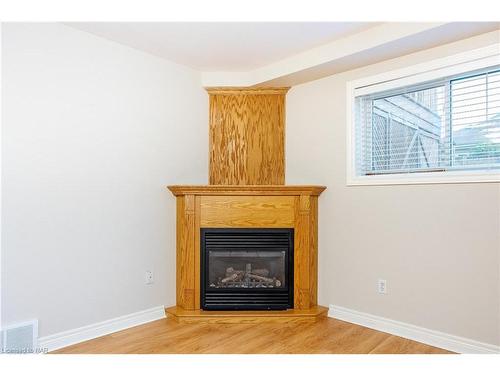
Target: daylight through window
(444, 125)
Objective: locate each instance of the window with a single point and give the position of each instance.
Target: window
(412, 132)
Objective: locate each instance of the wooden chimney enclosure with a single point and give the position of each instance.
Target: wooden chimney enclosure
(247, 136)
(246, 190)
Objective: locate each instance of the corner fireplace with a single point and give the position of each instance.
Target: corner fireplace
(246, 269)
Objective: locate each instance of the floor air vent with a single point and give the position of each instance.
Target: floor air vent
(20, 338)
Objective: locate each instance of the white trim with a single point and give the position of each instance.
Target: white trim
(450, 177)
(92, 331)
(350, 132)
(427, 336)
(438, 68)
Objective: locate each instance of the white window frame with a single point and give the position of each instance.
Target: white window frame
(452, 65)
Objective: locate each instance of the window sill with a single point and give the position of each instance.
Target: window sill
(425, 178)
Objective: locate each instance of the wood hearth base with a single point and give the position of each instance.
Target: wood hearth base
(201, 316)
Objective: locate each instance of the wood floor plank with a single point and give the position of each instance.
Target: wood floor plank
(324, 336)
(399, 345)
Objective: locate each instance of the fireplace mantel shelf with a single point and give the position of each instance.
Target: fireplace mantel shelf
(179, 190)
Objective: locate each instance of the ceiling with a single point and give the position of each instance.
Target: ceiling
(283, 53)
(229, 46)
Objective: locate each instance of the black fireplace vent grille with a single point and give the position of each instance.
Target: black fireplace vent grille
(257, 240)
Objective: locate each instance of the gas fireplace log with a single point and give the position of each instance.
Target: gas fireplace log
(261, 272)
(260, 278)
(231, 271)
(233, 277)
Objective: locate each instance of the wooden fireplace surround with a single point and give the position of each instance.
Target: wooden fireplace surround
(247, 190)
(246, 206)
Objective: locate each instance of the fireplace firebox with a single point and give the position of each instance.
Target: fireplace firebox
(246, 269)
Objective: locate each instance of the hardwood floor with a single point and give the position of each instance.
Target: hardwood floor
(324, 336)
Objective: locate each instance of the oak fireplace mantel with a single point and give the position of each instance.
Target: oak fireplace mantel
(246, 206)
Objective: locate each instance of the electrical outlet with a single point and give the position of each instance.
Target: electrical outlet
(382, 286)
(148, 278)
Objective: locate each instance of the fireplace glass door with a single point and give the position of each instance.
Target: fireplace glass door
(245, 269)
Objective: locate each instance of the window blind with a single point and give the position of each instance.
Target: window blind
(448, 124)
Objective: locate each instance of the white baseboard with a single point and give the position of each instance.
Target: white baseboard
(434, 338)
(75, 336)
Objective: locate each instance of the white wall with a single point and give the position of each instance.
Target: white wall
(93, 131)
(436, 245)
